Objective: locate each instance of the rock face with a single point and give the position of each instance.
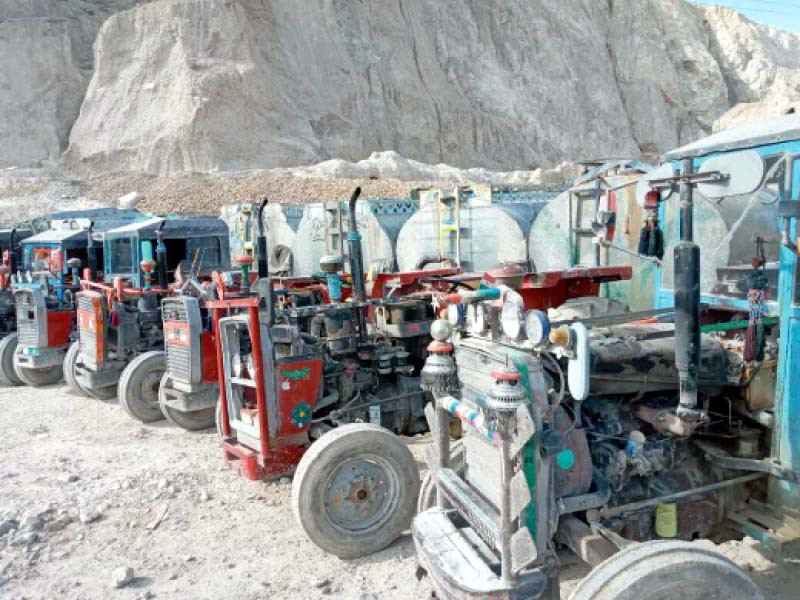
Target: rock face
(46, 47)
(512, 84)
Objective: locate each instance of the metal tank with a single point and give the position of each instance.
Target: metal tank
(322, 231)
(474, 226)
(724, 230)
(280, 221)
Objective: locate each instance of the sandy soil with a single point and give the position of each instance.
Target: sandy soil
(87, 485)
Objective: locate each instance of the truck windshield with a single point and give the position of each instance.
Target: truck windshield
(121, 259)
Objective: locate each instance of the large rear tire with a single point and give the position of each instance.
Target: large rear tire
(355, 490)
(69, 370)
(138, 386)
(38, 377)
(8, 375)
(665, 570)
(195, 420)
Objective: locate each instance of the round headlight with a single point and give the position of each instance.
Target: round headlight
(537, 326)
(511, 319)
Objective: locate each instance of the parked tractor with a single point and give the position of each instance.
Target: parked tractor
(9, 252)
(294, 365)
(121, 338)
(43, 294)
(625, 436)
(189, 389)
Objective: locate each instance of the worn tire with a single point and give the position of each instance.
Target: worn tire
(427, 489)
(196, 420)
(69, 370)
(138, 386)
(378, 468)
(8, 375)
(38, 377)
(664, 570)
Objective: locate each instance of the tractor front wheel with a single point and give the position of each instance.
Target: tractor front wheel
(38, 377)
(664, 570)
(8, 375)
(355, 490)
(69, 370)
(138, 386)
(194, 420)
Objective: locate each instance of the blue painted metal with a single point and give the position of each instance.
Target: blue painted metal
(786, 442)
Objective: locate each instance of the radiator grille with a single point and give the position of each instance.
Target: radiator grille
(27, 329)
(87, 338)
(179, 357)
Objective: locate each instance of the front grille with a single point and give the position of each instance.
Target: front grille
(179, 360)
(179, 356)
(87, 338)
(27, 329)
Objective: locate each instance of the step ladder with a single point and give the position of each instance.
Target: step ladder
(772, 527)
(578, 232)
(448, 224)
(335, 237)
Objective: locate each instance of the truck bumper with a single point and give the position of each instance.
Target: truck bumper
(185, 397)
(104, 377)
(40, 358)
(459, 572)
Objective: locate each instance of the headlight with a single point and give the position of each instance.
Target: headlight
(511, 319)
(537, 326)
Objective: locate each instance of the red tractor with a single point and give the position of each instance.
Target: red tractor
(291, 373)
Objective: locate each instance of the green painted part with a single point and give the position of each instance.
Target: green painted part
(301, 415)
(529, 450)
(297, 374)
(565, 459)
(733, 325)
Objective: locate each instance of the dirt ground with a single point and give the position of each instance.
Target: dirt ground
(93, 491)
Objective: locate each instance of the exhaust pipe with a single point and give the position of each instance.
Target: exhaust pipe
(687, 303)
(265, 280)
(161, 258)
(357, 264)
(354, 245)
(12, 255)
(91, 253)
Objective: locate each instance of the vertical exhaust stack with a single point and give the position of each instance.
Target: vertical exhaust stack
(91, 252)
(265, 281)
(357, 263)
(12, 255)
(161, 258)
(687, 302)
(354, 245)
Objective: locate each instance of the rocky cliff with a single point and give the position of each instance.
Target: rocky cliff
(236, 84)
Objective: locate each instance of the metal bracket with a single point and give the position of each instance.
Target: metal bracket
(769, 467)
(689, 179)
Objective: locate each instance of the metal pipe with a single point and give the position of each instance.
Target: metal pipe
(261, 242)
(91, 252)
(161, 257)
(687, 301)
(442, 450)
(608, 513)
(357, 263)
(223, 394)
(505, 510)
(354, 243)
(258, 377)
(12, 255)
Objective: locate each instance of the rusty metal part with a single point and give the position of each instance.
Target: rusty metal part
(665, 420)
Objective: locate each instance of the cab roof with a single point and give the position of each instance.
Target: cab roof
(174, 227)
(745, 135)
